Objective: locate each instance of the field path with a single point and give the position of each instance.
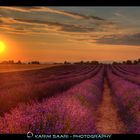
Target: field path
(107, 117)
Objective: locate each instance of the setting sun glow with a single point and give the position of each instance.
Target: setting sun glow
(2, 46)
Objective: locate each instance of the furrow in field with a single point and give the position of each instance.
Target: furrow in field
(27, 92)
(108, 121)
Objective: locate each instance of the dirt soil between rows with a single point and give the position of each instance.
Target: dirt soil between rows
(107, 119)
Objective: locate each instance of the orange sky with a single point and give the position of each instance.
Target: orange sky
(59, 34)
(73, 51)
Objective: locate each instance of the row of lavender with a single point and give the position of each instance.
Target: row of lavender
(131, 68)
(71, 111)
(24, 90)
(63, 112)
(126, 74)
(33, 76)
(126, 95)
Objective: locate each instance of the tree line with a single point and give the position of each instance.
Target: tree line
(97, 62)
(79, 62)
(83, 62)
(130, 62)
(18, 62)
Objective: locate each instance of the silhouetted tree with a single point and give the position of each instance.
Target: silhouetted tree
(11, 61)
(19, 62)
(8, 62)
(135, 62)
(82, 62)
(114, 63)
(124, 62)
(65, 62)
(34, 62)
(128, 62)
(95, 62)
(87, 62)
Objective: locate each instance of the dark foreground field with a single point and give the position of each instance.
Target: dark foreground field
(73, 98)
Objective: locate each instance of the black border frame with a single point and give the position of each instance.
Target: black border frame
(69, 3)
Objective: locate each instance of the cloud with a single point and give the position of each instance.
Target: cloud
(59, 26)
(96, 23)
(7, 20)
(70, 14)
(39, 26)
(21, 9)
(51, 10)
(31, 23)
(1, 22)
(33, 26)
(82, 16)
(131, 39)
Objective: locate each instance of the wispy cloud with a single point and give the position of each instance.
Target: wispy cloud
(7, 20)
(42, 9)
(60, 26)
(125, 39)
(91, 28)
(82, 16)
(51, 10)
(20, 9)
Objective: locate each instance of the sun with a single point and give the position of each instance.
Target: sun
(2, 46)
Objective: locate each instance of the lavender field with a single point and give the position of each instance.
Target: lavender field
(71, 98)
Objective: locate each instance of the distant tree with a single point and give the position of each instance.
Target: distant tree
(135, 62)
(114, 63)
(65, 62)
(87, 62)
(124, 62)
(11, 62)
(19, 62)
(95, 62)
(81, 62)
(8, 62)
(34, 62)
(128, 62)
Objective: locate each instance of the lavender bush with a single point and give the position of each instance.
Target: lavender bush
(127, 96)
(70, 112)
(27, 90)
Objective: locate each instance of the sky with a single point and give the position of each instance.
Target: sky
(56, 34)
